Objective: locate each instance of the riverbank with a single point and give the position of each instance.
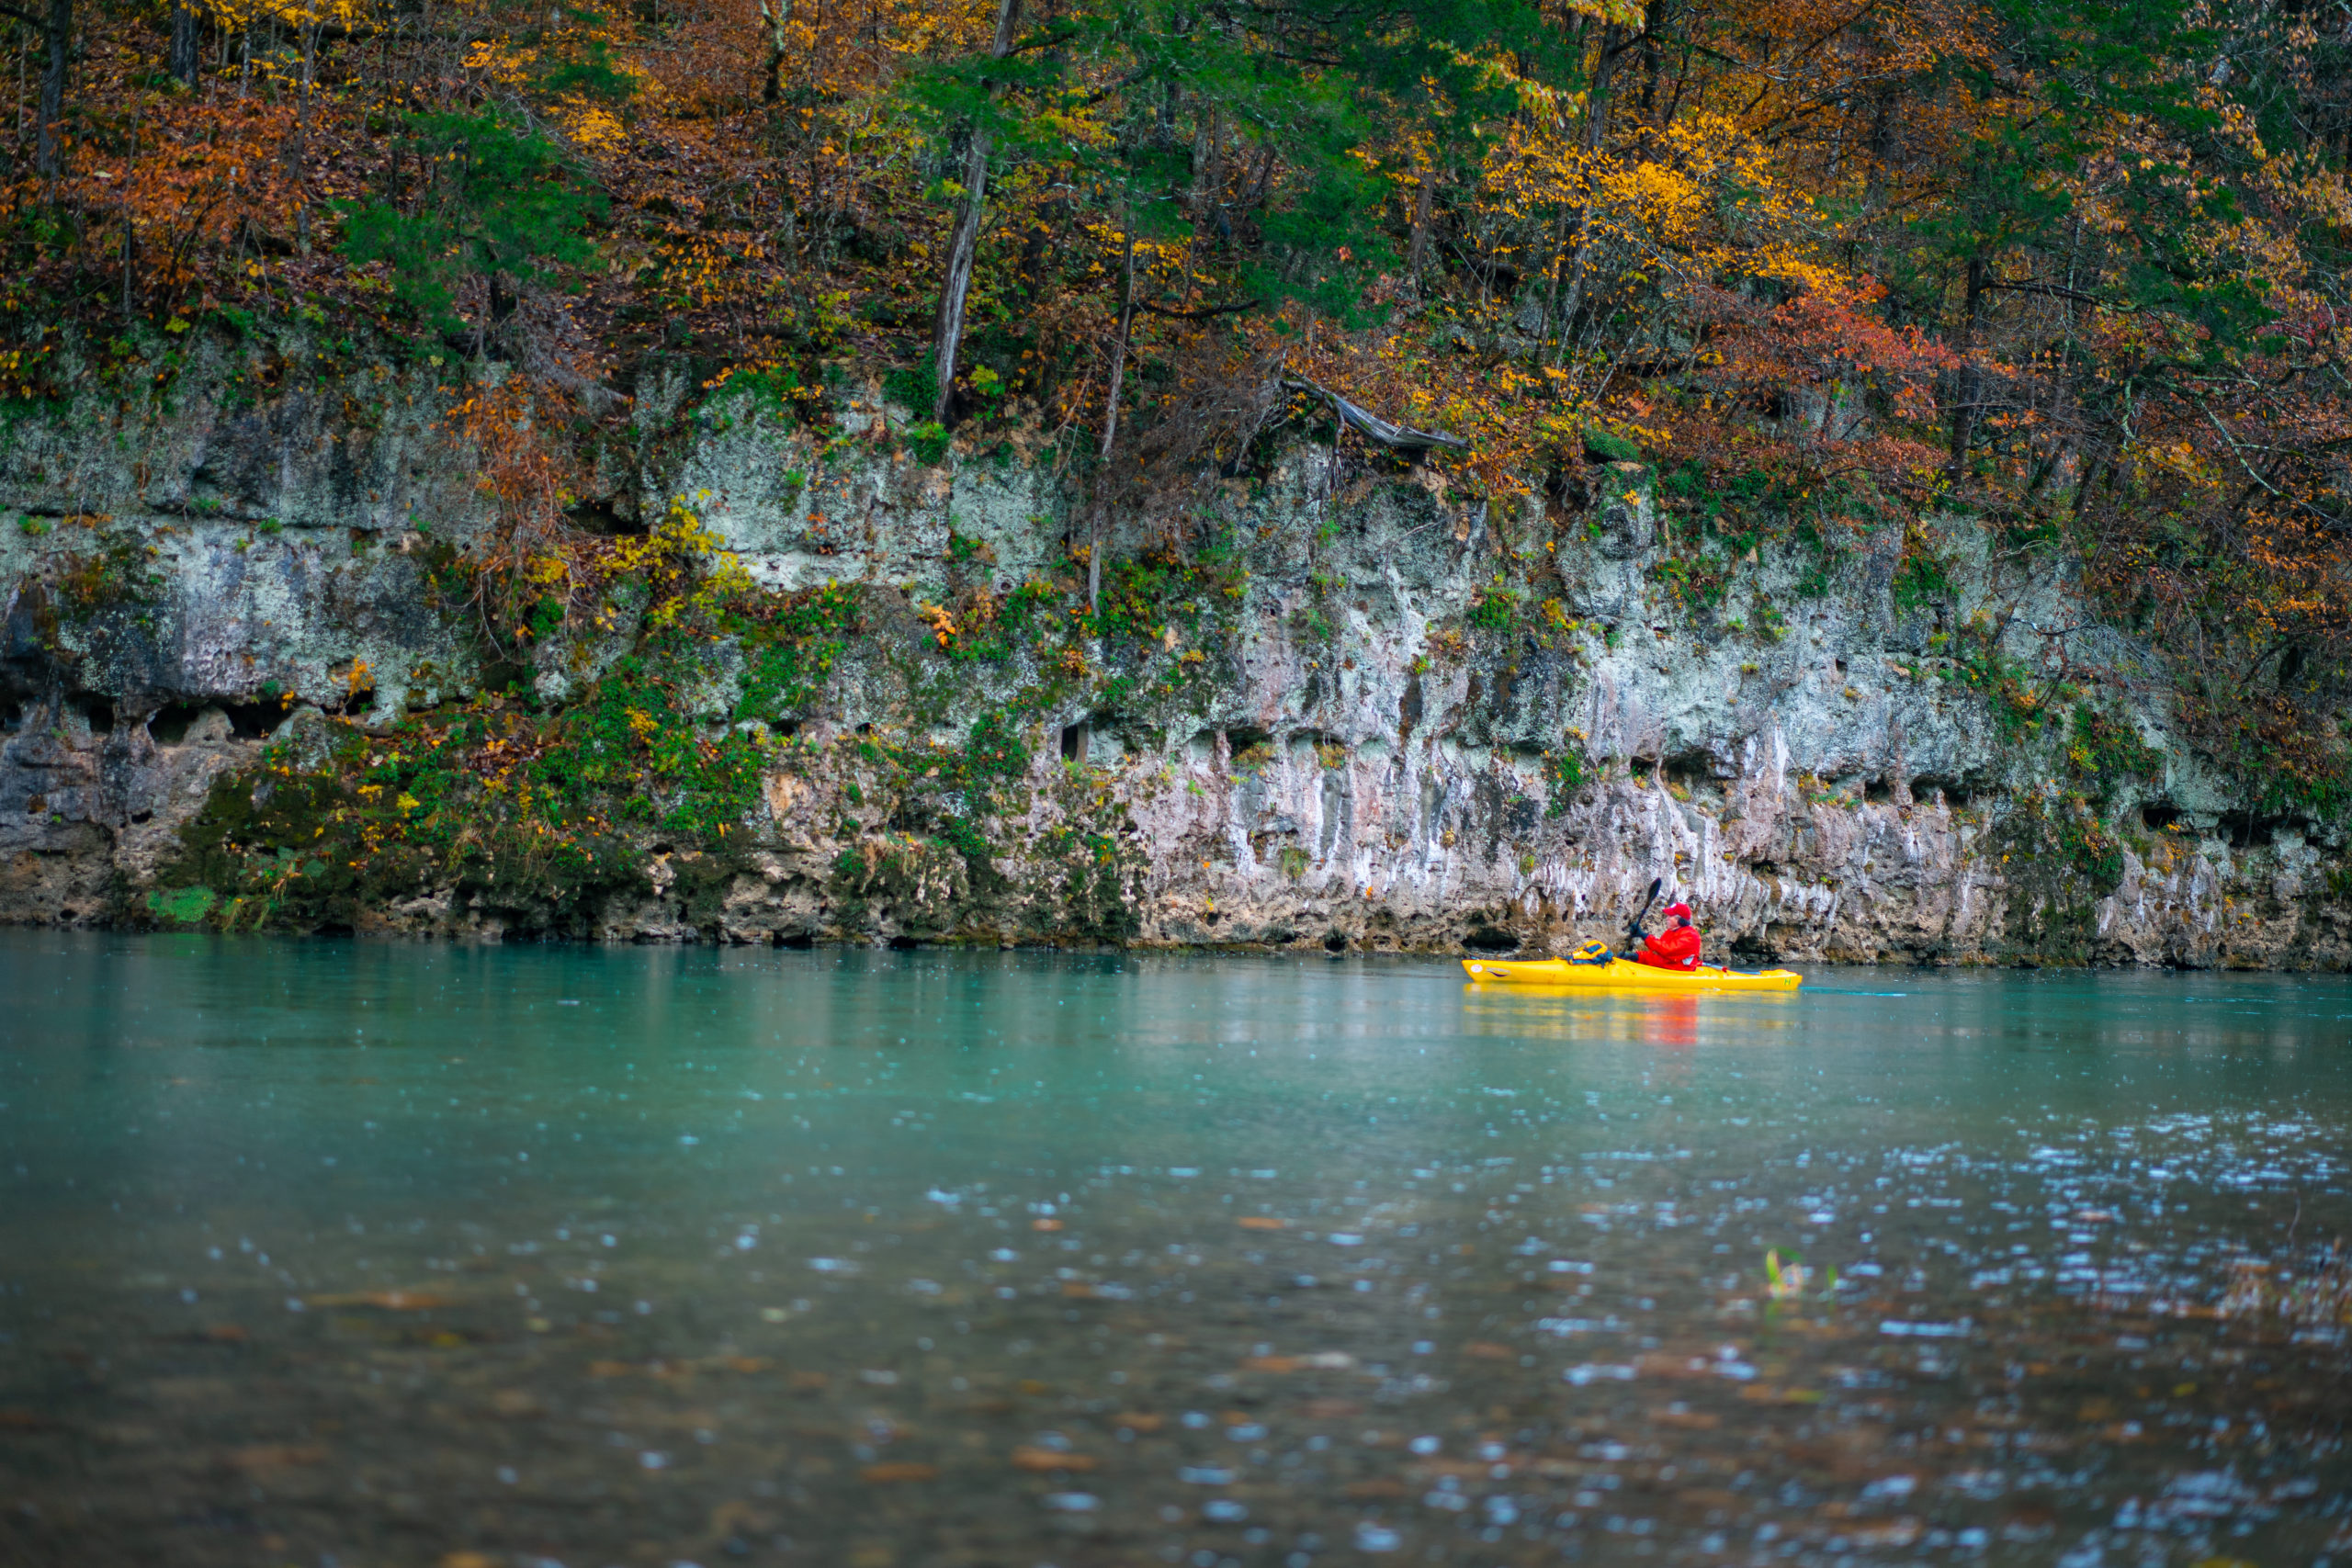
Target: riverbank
(268, 668)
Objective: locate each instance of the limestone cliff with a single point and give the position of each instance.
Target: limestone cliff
(1334, 705)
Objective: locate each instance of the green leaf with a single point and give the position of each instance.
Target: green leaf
(182, 906)
(498, 199)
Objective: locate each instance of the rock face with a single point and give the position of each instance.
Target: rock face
(1421, 723)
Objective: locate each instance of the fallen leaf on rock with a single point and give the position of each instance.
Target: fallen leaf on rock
(227, 1334)
(16, 1418)
(467, 1560)
(1136, 1421)
(887, 1475)
(1044, 1460)
(1675, 1367)
(1687, 1420)
(514, 1402)
(808, 1379)
(1032, 1386)
(1773, 1393)
(1386, 1486)
(1272, 1363)
(747, 1364)
(1487, 1350)
(389, 1301)
(1262, 1223)
(1045, 1224)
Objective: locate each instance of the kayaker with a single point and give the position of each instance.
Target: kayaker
(1676, 947)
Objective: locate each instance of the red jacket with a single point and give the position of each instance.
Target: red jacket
(1674, 948)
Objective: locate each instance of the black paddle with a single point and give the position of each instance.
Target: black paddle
(1634, 932)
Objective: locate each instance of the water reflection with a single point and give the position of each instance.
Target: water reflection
(375, 1253)
(1647, 1017)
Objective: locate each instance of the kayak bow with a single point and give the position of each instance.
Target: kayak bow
(1620, 975)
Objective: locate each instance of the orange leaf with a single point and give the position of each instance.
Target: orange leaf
(884, 1474)
(1043, 1459)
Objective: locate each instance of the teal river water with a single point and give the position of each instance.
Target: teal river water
(362, 1256)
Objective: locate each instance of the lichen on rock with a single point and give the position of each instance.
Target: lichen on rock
(809, 685)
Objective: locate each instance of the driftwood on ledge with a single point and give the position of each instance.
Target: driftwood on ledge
(1355, 416)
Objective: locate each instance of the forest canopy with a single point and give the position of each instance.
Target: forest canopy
(2074, 268)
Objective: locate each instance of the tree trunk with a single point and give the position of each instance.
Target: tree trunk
(956, 281)
(1970, 382)
(49, 148)
(302, 139)
(185, 30)
(964, 241)
(1596, 129)
(775, 20)
(130, 219)
(1265, 179)
(1551, 293)
(1422, 196)
(1208, 187)
(1654, 17)
(1111, 415)
(1875, 182)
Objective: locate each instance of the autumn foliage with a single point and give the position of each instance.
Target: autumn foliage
(2075, 269)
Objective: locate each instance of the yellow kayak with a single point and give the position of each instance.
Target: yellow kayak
(1619, 974)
